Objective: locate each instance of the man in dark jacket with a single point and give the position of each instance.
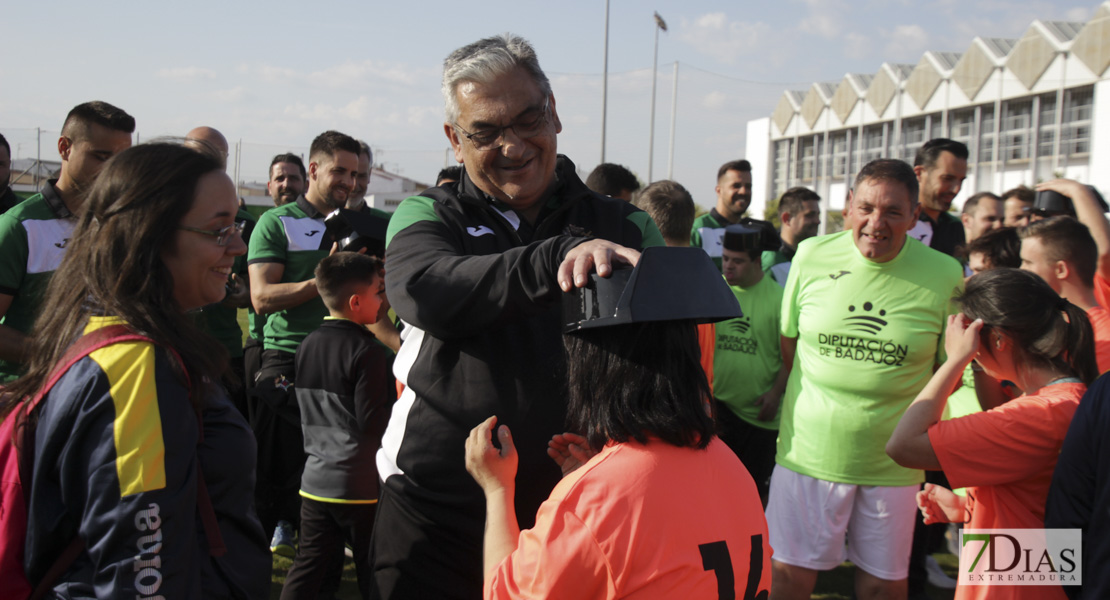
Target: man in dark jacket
(1080, 489)
(475, 268)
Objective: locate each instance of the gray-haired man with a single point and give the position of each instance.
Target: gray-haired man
(475, 271)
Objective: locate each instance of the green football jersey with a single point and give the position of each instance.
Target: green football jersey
(748, 354)
(868, 336)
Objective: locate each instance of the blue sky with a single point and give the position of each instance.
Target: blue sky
(275, 74)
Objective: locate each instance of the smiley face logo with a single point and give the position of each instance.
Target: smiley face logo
(866, 323)
(740, 325)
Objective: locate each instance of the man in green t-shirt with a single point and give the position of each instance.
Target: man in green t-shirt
(35, 233)
(286, 184)
(748, 373)
(734, 195)
(284, 250)
(800, 215)
(863, 315)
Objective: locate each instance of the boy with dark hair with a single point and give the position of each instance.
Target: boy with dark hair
(344, 392)
(613, 180)
(672, 209)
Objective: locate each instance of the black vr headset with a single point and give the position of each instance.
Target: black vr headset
(667, 284)
(1048, 203)
(354, 230)
(751, 234)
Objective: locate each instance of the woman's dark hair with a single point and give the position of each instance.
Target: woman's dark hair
(1046, 330)
(113, 266)
(636, 381)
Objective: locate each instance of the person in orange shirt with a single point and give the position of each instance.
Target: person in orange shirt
(1073, 256)
(1018, 329)
(664, 508)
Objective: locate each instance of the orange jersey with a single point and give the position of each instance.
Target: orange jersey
(644, 521)
(1100, 322)
(1005, 457)
(707, 340)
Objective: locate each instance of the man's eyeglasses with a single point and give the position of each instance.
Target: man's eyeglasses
(527, 127)
(222, 235)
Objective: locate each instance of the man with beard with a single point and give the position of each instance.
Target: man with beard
(284, 251)
(734, 194)
(800, 215)
(286, 183)
(287, 175)
(357, 199)
(941, 167)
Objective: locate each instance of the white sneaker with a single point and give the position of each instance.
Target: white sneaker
(937, 576)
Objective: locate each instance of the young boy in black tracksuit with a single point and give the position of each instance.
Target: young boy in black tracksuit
(345, 392)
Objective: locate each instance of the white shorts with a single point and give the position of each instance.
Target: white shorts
(808, 520)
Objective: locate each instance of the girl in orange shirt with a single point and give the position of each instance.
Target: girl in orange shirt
(1018, 329)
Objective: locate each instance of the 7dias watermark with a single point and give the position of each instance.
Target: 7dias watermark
(1021, 557)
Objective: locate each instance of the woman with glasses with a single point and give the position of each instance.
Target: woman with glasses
(140, 467)
(1019, 330)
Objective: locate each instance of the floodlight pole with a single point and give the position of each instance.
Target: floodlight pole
(659, 24)
(605, 82)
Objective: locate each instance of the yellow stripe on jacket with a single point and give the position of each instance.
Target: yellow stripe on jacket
(140, 449)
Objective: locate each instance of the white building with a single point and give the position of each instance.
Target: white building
(1029, 109)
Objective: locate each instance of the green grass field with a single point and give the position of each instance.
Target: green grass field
(831, 585)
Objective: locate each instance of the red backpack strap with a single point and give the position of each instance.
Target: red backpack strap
(84, 346)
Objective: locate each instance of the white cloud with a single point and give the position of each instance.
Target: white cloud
(824, 18)
(368, 72)
(233, 95)
(1079, 13)
(714, 100)
(422, 116)
(906, 43)
(272, 74)
(857, 45)
(186, 73)
(716, 36)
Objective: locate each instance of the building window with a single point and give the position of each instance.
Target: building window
(1016, 128)
(780, 174)
(1078, 103)
(840, 154)
(960, 125)
(986, 134)
(913, 137)
(807, 159)
(872, 144)
(1046, 132)
(936, 126)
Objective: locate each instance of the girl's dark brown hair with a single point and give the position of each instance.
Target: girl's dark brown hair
(1046, 330)
(113, 266)
(637, 381)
